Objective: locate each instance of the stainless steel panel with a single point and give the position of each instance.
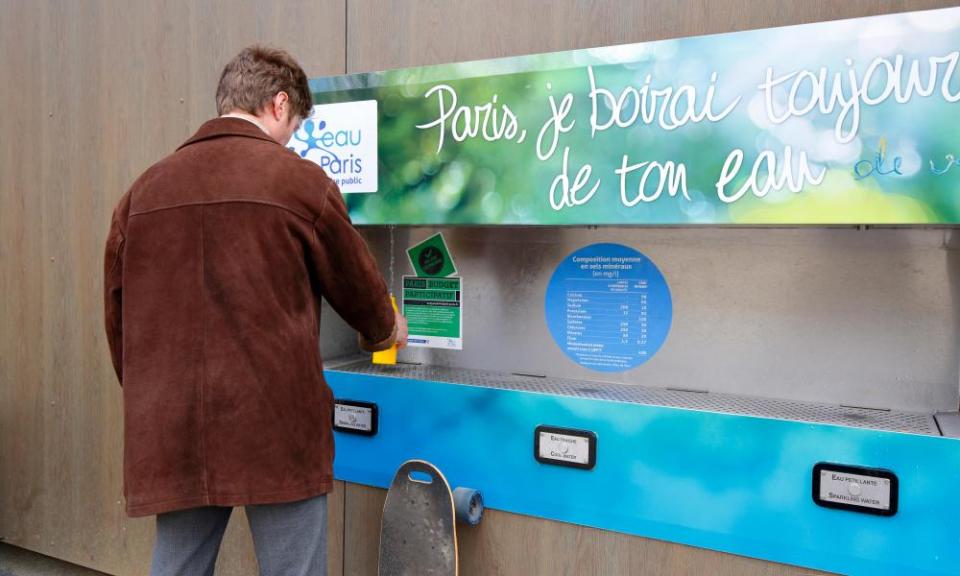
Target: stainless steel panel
(949, 423)
(336, 337)
(899, 421)
(830, 315)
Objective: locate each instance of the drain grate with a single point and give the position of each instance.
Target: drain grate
(912, 422)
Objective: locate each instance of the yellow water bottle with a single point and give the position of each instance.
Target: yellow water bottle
(388, 356)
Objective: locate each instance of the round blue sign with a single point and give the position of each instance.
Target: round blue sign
(608, 307)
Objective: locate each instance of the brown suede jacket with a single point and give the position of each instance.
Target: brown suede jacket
(216, 262)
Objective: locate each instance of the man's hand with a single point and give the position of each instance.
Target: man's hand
(402, 334)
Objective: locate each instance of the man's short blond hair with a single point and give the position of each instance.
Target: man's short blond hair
(256, 75)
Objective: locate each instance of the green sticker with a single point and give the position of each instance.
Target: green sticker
(432, 258)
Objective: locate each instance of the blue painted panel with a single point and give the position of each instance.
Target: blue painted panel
(733, 483)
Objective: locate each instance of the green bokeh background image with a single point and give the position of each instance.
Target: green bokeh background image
(898, 168)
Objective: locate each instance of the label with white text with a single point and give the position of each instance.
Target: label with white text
(855, 489)
(358, 418)
(565, 448)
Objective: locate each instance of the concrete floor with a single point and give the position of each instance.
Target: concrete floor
(19, 562)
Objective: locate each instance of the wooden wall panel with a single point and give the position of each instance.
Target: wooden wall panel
(361, 529)
(92, 93)
(336, 510)
(506, 544)
(426, 32)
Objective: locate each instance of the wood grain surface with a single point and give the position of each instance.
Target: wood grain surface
(507, 544)
(426, 32)
(92, 92)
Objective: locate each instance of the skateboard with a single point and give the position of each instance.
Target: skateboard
(418, 536)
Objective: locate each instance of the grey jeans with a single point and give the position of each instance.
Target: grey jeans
(290, 539)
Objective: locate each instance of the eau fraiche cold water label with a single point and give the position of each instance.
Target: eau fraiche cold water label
(342, 139)
(564, 448)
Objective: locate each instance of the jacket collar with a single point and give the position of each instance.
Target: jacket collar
(218, 127)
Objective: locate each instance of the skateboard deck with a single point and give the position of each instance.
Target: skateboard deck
(418, 536)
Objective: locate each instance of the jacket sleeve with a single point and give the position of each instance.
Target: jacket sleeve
(113, 292)
(349, 277)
